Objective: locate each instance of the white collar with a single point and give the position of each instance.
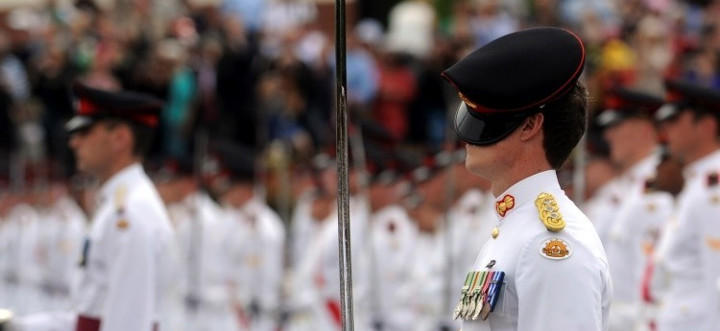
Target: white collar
(525, 191)
(117, 182)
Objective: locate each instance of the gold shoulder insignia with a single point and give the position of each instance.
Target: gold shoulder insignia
(555, 249)
(122, 224)
(549, 212)
(120, 194)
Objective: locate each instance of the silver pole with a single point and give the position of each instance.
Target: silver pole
(341, 137)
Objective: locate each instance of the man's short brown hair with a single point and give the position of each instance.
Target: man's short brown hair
(564, 124)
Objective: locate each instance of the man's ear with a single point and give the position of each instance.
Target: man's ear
(532, 127)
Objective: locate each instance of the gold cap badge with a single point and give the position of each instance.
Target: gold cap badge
(549, 212)
(555, 249)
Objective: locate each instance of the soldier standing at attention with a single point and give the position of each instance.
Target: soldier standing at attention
(523, 112)
(687, 254)
(131, 233)
(125, 258)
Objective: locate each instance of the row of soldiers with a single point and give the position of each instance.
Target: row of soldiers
(416, 231)
(237, 266)
(656, 206)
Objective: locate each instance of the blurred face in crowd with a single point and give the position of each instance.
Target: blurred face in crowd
(629, 140)
(98, 148)
(238, 194)
(685, 133)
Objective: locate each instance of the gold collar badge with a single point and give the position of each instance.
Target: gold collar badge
(504, 205)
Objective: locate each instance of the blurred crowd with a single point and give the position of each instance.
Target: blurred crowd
(260, 74)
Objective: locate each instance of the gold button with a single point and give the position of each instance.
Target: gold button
(495, 232)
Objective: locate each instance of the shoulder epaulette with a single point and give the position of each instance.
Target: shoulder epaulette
(119, 199)
(549, 212)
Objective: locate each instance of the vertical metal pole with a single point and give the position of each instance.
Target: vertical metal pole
(341, 137)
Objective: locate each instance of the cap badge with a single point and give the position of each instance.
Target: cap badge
(549, 212)
(555, 249)
(504, 205)
(467, 101)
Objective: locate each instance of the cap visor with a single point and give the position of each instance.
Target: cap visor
(484, 129)
(666, 112)
(608, 118)
(78, 123)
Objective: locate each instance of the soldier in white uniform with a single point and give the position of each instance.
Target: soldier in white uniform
(688, 252)
(63, 231)
(22, 270)
(430, 259)
(125, 254)
(202, 298)
(523, 112)
(627, 117)
(651, 214)
(256, 243)
(393, 235)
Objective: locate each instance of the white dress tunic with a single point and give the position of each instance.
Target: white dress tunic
(552, 280)
(126, 255)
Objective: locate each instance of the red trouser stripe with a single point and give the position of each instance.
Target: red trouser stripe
(85, 323)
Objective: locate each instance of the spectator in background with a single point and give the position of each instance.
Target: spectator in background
(52, 74)
(205, 66)
(237, 76)
(178, 113)
(251, 12)
(362, 71)
(410, 28)
(13, 75)
(491, 22)
(396, 89)
(281, 18)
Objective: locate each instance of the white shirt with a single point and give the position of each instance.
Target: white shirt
(257, 260)
(124, 265)
(687, 255)
(540, 293)
(394, 238)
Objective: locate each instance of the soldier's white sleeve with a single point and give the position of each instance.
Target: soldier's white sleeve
(131, 293)
(562, 294)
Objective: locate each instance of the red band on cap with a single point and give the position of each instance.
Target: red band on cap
(673, 96)
(149, 120)
(86, 107)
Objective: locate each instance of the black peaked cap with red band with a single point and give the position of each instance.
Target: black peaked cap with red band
(93, 104)
(622, 103)
(681, 95)
(511, 78)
